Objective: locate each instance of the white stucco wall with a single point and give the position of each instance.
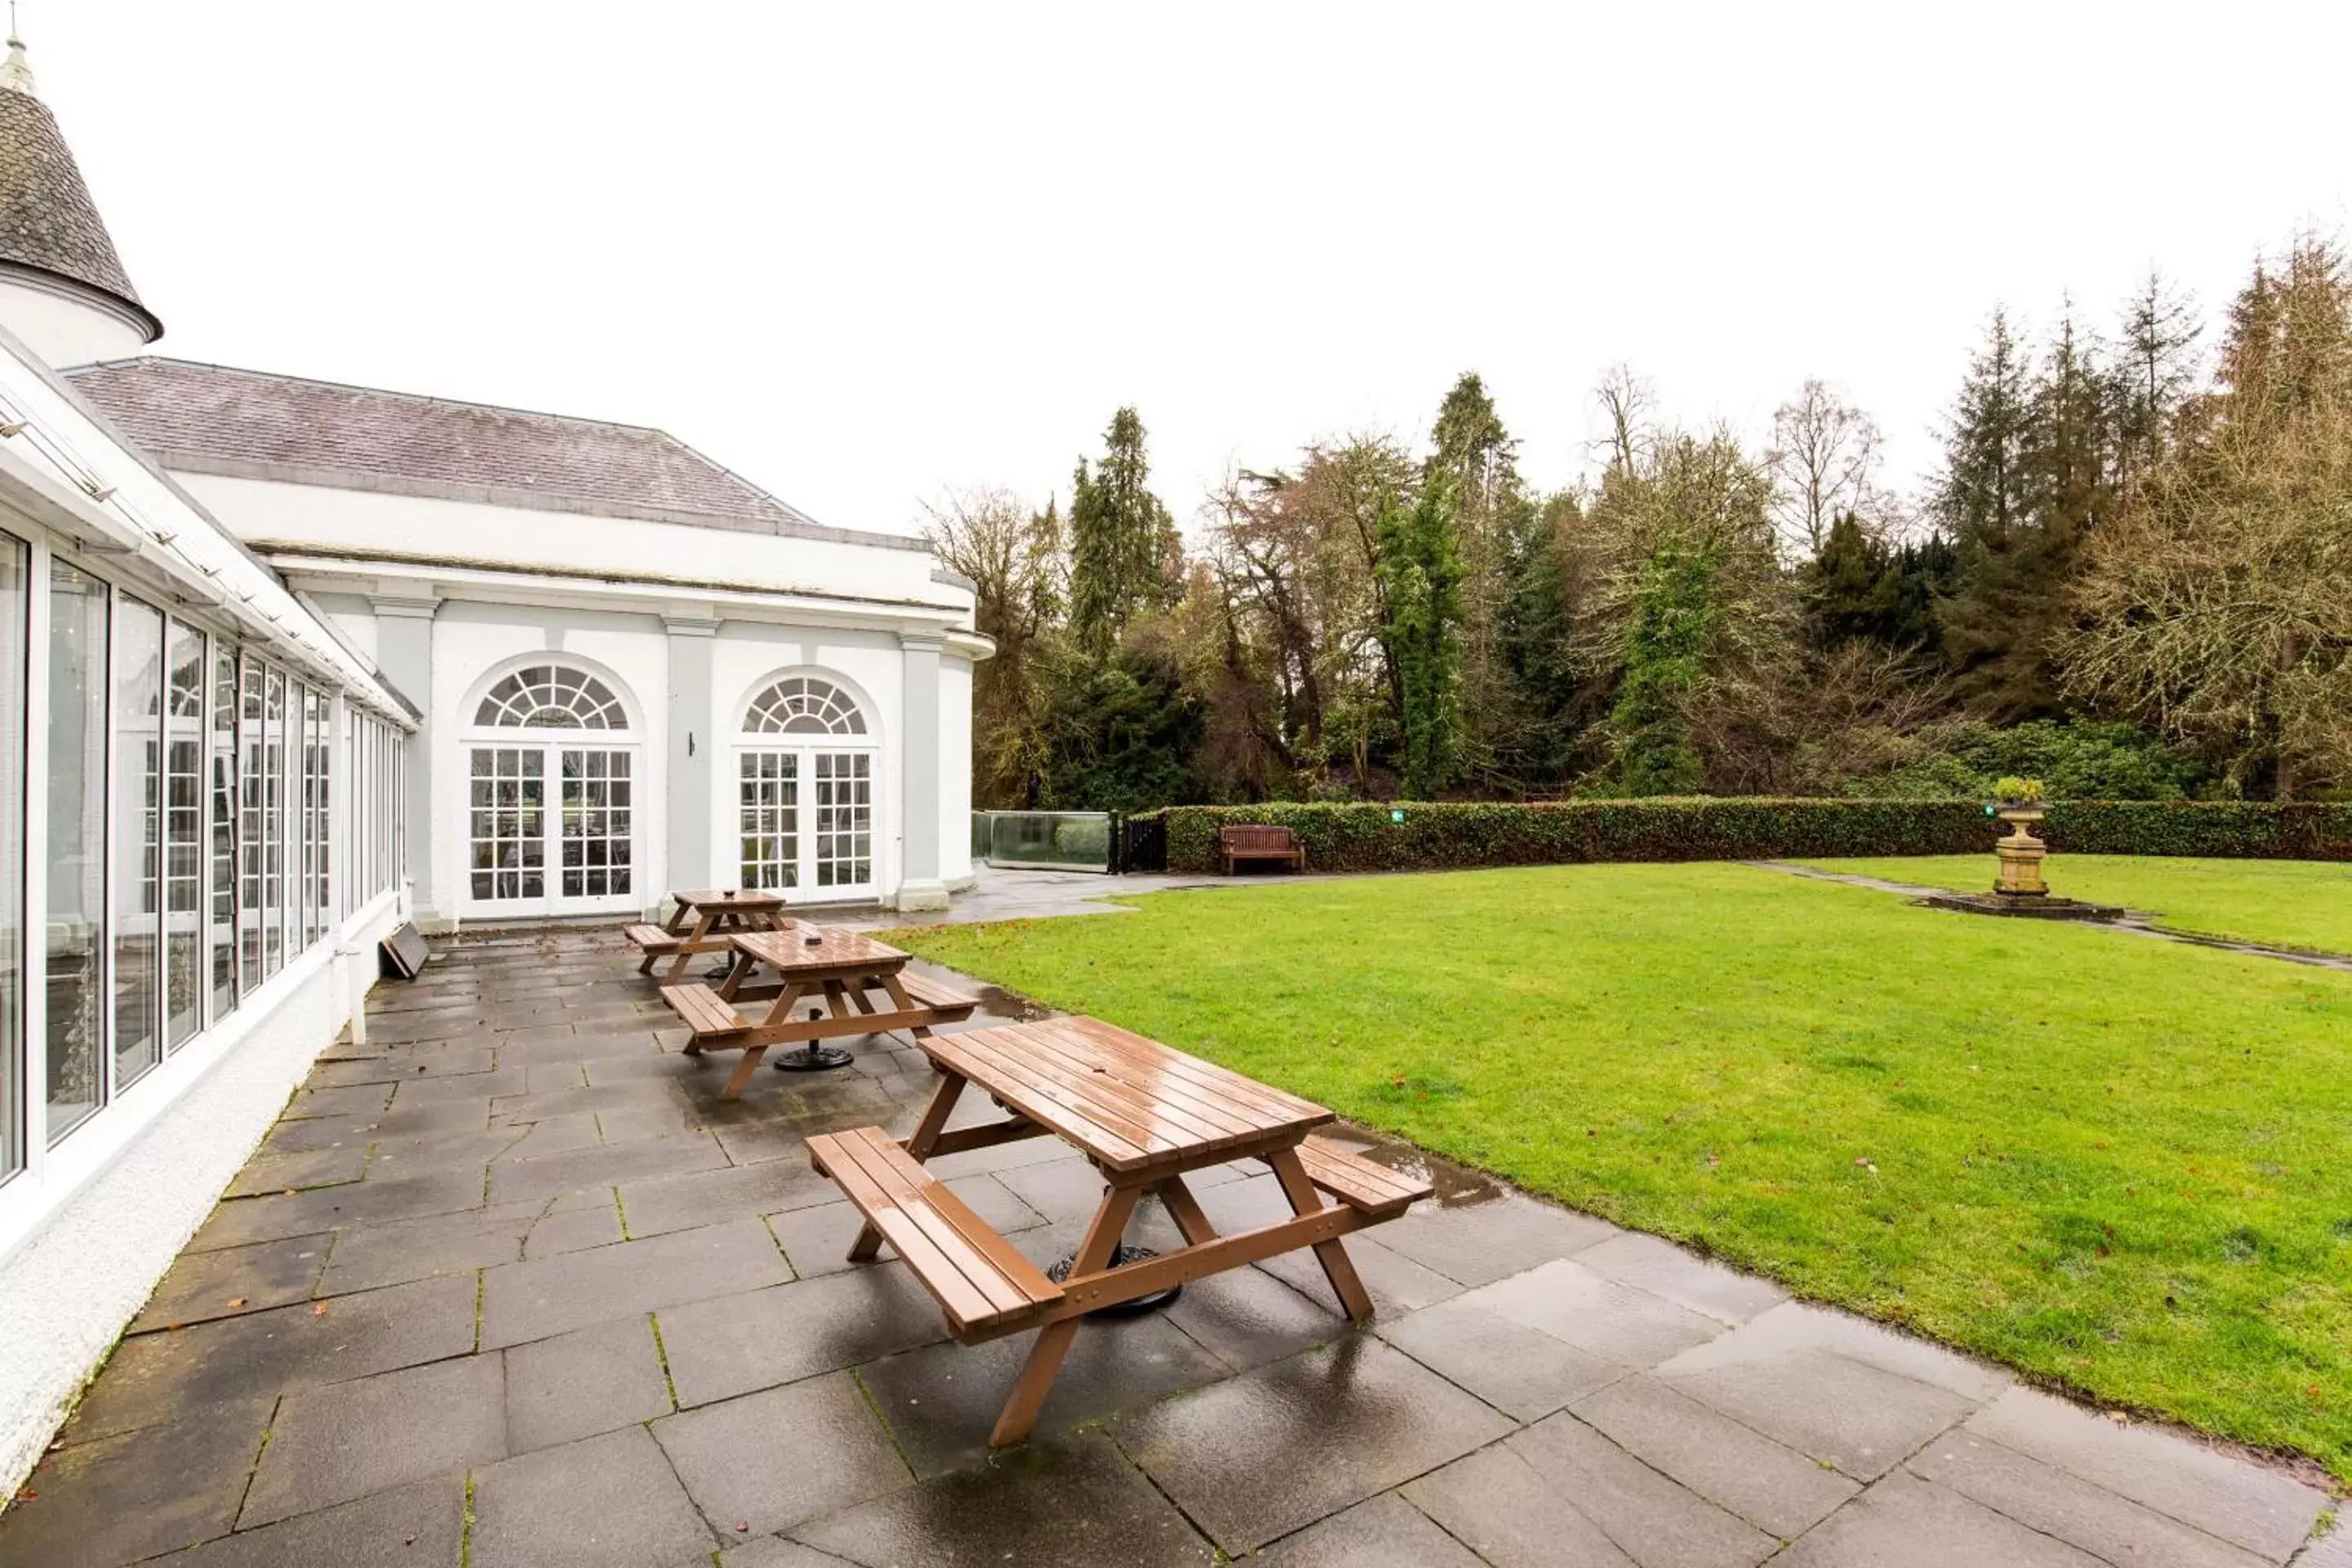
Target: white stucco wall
(62, 328)
(127, 1190)
(955, 769)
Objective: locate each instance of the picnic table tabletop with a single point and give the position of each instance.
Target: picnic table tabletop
(788, 950)
(717, 900)
(1133, 1104)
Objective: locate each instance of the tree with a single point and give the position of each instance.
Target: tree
(1125, 555)
(1697, 615)
(1420, 570)
(1014, 559)
(2218, 608)
(1495, 519)
(1823, 463)
(2154, 372)
(1995, 620)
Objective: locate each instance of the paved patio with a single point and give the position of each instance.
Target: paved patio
(508, 1285)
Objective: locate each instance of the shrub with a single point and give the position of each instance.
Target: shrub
(1445, 834)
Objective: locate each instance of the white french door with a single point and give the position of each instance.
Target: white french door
(551, 829)
(805, 821)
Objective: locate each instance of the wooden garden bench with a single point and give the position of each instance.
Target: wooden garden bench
(1240, 843)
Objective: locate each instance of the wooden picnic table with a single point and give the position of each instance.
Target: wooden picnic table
(1145, 1115)
(706, 920)
(814, 962)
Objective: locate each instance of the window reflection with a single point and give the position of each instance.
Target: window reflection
(77, 846)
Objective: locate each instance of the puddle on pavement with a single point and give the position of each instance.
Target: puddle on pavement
(1457, 1187)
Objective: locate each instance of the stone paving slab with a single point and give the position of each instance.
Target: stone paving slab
(347, 1440)
(2262, 1511)
(1905, 1523)
(533, 1301)
(1383, 1532)
(1270, 1451)
(770, 1460)
(2056, 1503)
(1776, 1488)
(717, 1378)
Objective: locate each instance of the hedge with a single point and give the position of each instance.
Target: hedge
(1358, 837)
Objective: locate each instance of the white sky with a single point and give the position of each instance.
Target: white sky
(858, 252)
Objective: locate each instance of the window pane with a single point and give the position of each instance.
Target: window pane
(251, 827)
(77, 846)
(138, 837)
(184, 844)
(273, 824)
(223, 832)
(12, 853)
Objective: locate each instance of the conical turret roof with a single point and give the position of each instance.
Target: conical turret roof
(49, 225)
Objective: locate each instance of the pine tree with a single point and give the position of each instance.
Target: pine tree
(1494, 521)
(1125, 555)
(2013, 460)
(2154, 371)
(1420, 567)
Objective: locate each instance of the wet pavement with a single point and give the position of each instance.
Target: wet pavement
(508, 1284)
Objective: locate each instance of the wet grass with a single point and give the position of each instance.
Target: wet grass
(2118, 1164)
(2302, 904)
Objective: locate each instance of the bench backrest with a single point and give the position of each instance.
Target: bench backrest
(1256, 837)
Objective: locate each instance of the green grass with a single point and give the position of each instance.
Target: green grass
(2118, 1165)
(2282, 903)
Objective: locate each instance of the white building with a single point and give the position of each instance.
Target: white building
(283, 663)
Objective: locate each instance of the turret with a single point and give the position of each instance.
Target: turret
(62, 287)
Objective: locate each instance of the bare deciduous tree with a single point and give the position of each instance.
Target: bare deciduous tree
(1824, 461)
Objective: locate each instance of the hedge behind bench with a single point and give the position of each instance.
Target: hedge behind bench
(1438, 835)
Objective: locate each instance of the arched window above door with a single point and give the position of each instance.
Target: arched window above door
(803, 705)
(551, 697)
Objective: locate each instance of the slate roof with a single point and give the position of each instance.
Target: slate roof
(215, 419)
(47, 221)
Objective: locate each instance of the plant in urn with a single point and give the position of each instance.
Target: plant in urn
(2019, 804)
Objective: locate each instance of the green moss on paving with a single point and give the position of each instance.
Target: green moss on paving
(2301, 904)
(2119, 1164)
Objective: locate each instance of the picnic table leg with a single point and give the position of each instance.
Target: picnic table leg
(1336, 1265)
(904, 1004)
(918, 1144)
(677, 965)
(1045, 1363)
(1185, 1210)
(750, 1061)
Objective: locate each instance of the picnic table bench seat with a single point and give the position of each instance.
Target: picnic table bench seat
(952, 1005)
(650, 940)
(983, 1286)
(1360, 1184)
(704, 1011)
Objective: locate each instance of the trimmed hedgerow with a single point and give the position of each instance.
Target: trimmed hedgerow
(1361, 836)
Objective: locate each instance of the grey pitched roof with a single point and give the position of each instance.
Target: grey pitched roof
(49, 225)
(207, 418)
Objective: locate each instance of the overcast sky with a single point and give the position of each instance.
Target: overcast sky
(859, 252)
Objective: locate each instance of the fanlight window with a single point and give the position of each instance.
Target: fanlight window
(551, 697)
(800, 705)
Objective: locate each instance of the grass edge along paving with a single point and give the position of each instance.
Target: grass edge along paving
(2115, 1164)
(2304, 905)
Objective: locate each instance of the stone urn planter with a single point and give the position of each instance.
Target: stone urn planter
(2020, 852)
(2020, 889)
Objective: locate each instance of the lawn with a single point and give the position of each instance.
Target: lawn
(2117, 1163)
(2284, 903)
